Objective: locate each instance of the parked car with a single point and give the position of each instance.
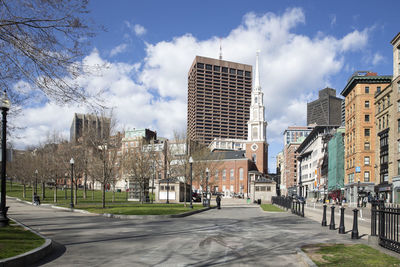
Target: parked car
(196, 197)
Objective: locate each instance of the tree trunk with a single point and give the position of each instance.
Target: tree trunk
(93, 192)
(113, 193)
(85, 186)
(43, 190)
(65, 191)
(103, 195)
(33, 190)
(24, 190)
(55, 193)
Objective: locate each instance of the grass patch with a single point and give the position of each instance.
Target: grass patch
(140, 209)
(15, 240)
(348, 255)
(63, 196)
(270, 207)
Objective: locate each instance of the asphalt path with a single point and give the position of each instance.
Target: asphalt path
(232, 236)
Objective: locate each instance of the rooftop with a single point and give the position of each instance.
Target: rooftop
(368, 78)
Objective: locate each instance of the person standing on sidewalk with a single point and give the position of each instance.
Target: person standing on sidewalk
(218, 199)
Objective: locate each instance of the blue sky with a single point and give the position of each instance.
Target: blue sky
(148, 47)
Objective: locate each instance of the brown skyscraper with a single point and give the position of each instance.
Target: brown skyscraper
(219, 97)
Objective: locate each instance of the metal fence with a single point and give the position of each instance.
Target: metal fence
(296, 206)
(284, 202)
(385, 224)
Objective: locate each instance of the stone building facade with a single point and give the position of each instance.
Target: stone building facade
(360, 139)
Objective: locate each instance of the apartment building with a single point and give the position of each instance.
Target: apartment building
(360, 139)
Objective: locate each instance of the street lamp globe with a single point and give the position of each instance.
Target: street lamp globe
(72, 161)
(5, 102)
(190, 160)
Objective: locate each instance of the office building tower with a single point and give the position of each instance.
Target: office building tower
(89, 124)
(219, 98)
(326, 110)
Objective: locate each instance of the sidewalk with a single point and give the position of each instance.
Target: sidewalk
(364, 224)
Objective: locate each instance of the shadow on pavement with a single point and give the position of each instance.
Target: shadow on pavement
(58, 251)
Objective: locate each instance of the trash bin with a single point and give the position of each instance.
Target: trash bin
(248, 200)
(259, 201)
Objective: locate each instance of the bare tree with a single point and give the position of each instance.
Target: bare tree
(139, 165)
(41, 43)
(105, 165)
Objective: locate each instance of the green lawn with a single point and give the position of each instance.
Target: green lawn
(15, 240)
(270, 207)
(348, 255)
(120, 197)
(140, 209)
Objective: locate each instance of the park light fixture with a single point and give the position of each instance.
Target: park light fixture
(5, 105)
(191, 182)
(72, 162)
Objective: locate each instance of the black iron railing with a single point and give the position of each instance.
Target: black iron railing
(295, 205)
(385, 224)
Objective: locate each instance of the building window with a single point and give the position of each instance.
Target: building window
(254, 158)
(216, 175)
(388, 100)
(366, 118)
(232, 175)
(380, 124)
(240, 72)
(224, 175)
(232, 71)
(366, 160)
(398, 167)
(367, 89)
(200, 65)
(367, 131)
(366, 176)
(398, 146)
(378, 89)
(268, 189)
(366, 104)
(241, 174)
(225, 69)
(208, 67)
(217, 68)
(398, 106)
(398, 126)
(367, 146)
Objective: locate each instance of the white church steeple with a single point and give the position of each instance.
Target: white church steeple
(257, 126)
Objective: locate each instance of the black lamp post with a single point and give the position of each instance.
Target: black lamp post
(167, 187)
(36, 174)
(358, 194)
(152, 186)
(72, 182)
(207, 173)
(5, 104)
(191, 182)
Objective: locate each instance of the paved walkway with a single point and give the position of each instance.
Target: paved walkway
(232, 236)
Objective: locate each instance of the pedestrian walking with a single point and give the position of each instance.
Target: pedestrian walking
(218, 199)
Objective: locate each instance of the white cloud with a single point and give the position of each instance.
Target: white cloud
(118, 49)
(378, 58)
(154, 93)
(138, 29)
(333, 20)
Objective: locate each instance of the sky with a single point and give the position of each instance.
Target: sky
(148, 48)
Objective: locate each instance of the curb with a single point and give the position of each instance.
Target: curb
(118, 216)
(153, 217)
(304, 258)
(32, 256)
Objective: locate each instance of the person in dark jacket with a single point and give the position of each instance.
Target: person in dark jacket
(218, 199)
